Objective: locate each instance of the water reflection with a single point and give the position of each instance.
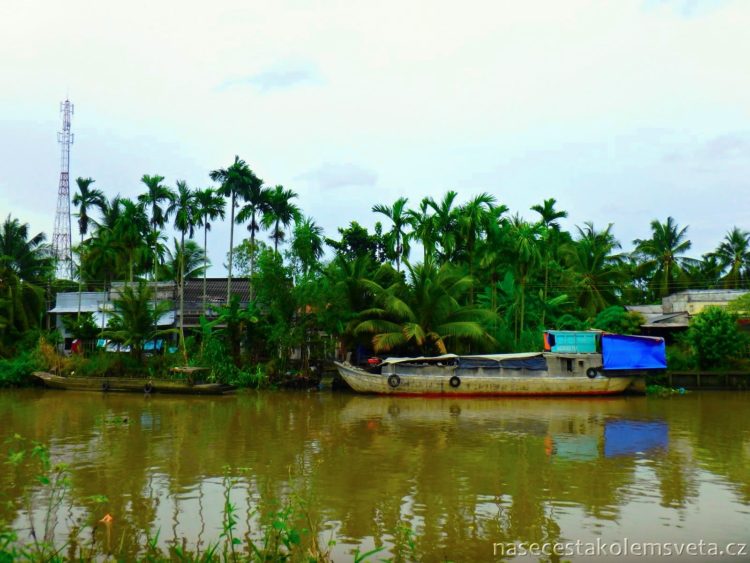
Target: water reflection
(461, 473)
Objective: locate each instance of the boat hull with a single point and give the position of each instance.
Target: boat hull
(439, 384)
(129, 385)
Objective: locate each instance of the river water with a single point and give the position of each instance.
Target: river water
(456, 479)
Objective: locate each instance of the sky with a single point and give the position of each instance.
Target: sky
(625, 111)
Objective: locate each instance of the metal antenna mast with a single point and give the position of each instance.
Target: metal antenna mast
(61, 236)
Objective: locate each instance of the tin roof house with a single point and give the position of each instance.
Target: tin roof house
(675, 311)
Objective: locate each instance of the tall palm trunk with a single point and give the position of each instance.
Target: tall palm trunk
(523, 307)
(252, 255)
(231, 251)
(182, 296)
(80, 285)
(398, 254)
(276, 237)
(205, 265)
(546, 286)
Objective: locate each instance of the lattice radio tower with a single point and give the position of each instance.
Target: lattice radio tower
(61, 236)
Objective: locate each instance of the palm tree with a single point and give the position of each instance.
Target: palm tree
(427, 315)
(548, 220)
(253, 212)
(135, 318)
(85, 199)
(526, 255)
(185, 212)
(595, 270)
(307, 243)
(734, 253)
(237, 181)
(446, 223)
(156, 194)
(660, 256)
(424, 227)
(473, 218)
(192, 257)
(130, 231)
(101, 254)
(210, 206)
(281, 212)
(397, 236)
(25, 265)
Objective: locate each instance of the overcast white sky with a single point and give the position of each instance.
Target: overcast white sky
(623, 110)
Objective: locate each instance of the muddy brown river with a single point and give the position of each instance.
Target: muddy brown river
(456, 479)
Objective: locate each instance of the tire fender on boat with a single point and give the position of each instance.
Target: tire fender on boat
(454, 381)
(148, 388)
(591, 373)
(105, 386)
(394, 381)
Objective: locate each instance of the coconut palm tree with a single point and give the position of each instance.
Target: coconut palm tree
(596, 271)
(734, 256)
(473, 218)
(424, 228)
(156, 195)
(26, 264)
(85, 199)
(135, 318)
(185, 213)
(307, 243)
(660, 257)
(130, 234)
(397, 236)
(281, 213)
(210, 206)
(446, 223)
(253, 212)
(237, 182)
(193, 259)
(551, 228)
(427, 315)
(525, 238)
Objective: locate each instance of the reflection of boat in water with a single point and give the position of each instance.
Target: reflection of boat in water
(565, 370)
(567, 428)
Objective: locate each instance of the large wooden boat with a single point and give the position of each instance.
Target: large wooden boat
(620, 367)
(130, 384)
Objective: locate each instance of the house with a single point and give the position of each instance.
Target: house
(673, 315)
(216, 296)
(100, 303)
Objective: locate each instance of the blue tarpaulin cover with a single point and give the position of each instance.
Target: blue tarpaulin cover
(633, 352)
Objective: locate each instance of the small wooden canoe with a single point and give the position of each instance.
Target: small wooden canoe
(130, 385)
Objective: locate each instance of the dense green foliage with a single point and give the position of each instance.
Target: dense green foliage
(715, 337)
(440, 275)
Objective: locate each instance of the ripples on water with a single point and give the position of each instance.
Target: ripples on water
(462, 474)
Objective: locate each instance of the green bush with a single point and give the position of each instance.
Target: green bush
(715, 337)
(16, 372)
(680, 358)
(616, 319)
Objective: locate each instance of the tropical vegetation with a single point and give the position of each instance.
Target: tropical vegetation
(433, 275)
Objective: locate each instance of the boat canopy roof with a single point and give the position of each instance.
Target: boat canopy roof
(443, 358)
(448, 357)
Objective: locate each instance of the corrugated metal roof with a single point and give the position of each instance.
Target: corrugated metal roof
(91, 302)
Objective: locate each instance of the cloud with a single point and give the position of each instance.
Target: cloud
(687, 8)
(278, 77)
(722, 148)
(337, 175)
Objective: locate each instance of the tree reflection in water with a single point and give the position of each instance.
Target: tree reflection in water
(451, 476)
